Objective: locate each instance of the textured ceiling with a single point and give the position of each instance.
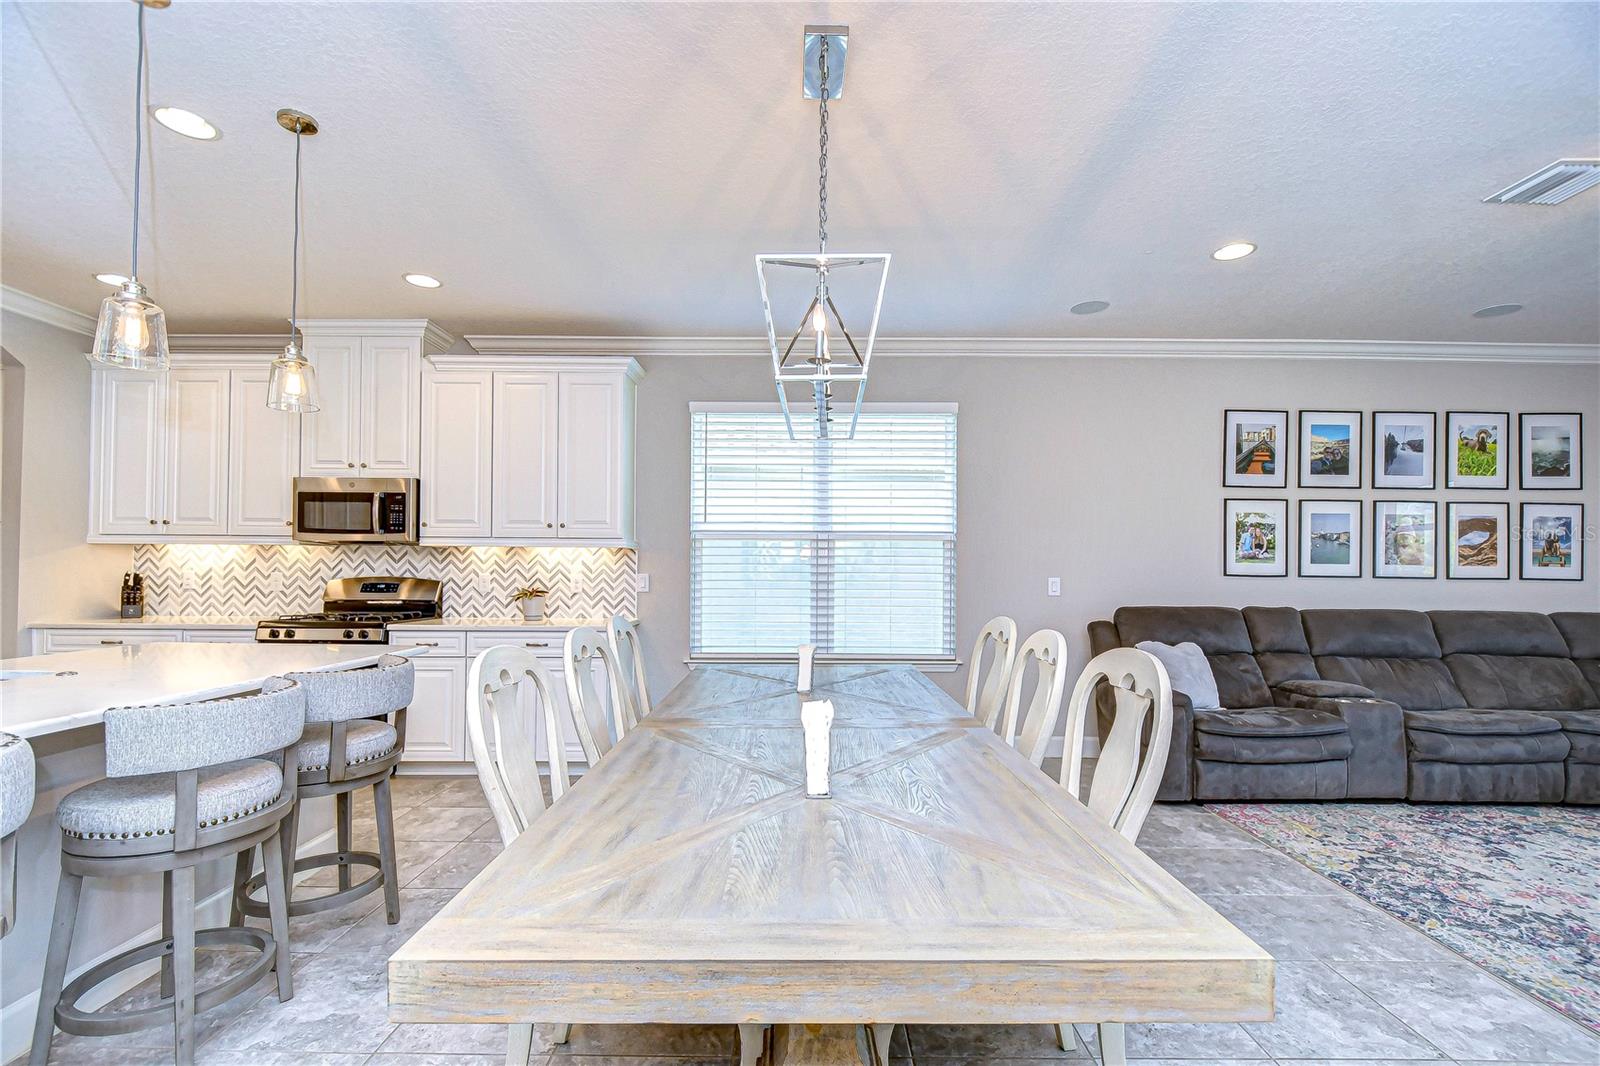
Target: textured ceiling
(613, 169)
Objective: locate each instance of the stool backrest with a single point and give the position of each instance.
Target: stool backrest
(507, 695)
(16, 783)
(1131, 762)
(363, 692)
(582, 646)
(986, 692)
(1029, 728)
(166, 738)
(628, 654)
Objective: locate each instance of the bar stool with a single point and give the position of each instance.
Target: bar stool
(186, 784)
(348, 745)
(16, 803)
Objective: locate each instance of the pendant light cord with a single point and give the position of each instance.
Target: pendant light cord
(822, 148)
(138, 138)
(294, 270)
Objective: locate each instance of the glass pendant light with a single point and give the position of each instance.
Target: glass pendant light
(132, 331)
(292, 385)
(831, 355)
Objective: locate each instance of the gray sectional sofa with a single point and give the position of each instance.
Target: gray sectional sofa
(1440, 706)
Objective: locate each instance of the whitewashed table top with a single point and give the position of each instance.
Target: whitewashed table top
(946, 879)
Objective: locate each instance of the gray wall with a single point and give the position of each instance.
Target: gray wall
(1107, 474)
(57, 574)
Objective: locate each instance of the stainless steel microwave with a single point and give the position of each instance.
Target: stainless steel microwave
(355, 510)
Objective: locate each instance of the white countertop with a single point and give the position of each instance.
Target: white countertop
(183, 621)
(73, 689)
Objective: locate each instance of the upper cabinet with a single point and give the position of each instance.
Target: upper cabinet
(369, 375)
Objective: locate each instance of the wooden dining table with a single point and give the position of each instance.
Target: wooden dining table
(687, 878)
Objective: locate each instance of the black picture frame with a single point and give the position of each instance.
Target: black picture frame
(1358, 528)
(1447, 451)
(1375, 446)
(1357, 420)
(1506, 545)
(1522, 451)
(1377, 541)
(1284, 539)
(1280, 478)
(1577, 537)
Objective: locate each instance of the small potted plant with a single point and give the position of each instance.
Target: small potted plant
(531, 599)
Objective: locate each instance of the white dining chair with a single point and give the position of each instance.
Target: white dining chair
(1028, 728)
(986, 690)
(1127, 772)
(628, 654)
(597, 731)
(507, 694)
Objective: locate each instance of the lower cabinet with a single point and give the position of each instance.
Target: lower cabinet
(51, 641)
(436, 721)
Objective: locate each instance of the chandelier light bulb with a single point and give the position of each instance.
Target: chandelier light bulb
(819, 321)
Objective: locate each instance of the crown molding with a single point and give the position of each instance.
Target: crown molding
(434, 339)
(228, 342)
(51, 314)
(1056, 347)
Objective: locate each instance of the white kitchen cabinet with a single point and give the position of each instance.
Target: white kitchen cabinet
(54, 641)
(195, 493)
(436, 720)
(595, 424)
(263, 458)
(391, 424)
(126, 451)
(369, 375)
(456, 471)
(329, 436)
(526, 471)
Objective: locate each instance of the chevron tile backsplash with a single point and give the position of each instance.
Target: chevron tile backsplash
(261, 580)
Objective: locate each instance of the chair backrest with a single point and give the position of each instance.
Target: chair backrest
(1029, 729)
(363, 692)
(986, 690)
(1129, 769)
(172, 737)
(507, 694)
(628, 655)
(582, 646)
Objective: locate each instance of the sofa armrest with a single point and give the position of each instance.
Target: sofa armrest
(1284, 691)
(1377, 764)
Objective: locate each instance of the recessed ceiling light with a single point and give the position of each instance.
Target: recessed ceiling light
(1236, 250)
(187, 123)
(112, 279)
(1496, 310)
(423, 281)
(1089, 307)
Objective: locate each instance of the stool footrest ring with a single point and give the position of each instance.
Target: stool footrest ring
(257, 908)
(70, 1019)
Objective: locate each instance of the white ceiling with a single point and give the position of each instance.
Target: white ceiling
(613, 169)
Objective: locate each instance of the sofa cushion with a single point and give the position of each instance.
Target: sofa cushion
(1271, 735)
(1187, 670)
(1583, 732)
(1271, 722)
(1527, 682)
(1280, 644)
(1415, 684)
(1497, 633)
(1370, 633)
(1324, 690)
(1484, 736)
(1581, 631)
(1474, 722)
(1221, 634)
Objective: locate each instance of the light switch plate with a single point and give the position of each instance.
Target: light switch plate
(641, 582)
(1053, 587)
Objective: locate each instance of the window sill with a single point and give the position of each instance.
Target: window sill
(927, 666)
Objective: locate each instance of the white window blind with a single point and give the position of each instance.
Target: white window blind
(846, 544)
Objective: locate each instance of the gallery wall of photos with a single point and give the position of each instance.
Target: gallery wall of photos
(1473, 534)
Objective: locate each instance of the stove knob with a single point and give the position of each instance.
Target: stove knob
(363, 634)
(348, 634)
(289, 633)
(272, 634)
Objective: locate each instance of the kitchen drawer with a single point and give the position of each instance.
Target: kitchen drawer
(220, 636)
(435, 644)
(59, 640)
(546, 642)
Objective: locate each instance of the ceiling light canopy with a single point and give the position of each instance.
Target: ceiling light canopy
(1236, 250)
(422, 281)
(292, 383)
(189, 124)
(132, 331)
(830, 353)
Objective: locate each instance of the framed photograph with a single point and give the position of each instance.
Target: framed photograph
(1252, 449)
(1476, 449)
(1552, 542)
(1403, 449)
(1255, 538)
(1330, 538)
(1552, 450)
(1478, 542)
(1330, 451)
(1405, 538)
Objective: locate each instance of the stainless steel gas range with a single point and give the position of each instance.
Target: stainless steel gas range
(358, 610)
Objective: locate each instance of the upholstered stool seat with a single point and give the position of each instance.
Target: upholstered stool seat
(118, 808)
(1503, 756)
(16, 803)
(364, 741)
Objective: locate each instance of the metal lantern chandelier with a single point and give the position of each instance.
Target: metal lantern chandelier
(821, 351)
(132, 330)
(292, 384)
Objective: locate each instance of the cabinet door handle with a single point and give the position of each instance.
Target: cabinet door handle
(111, 642)
(152, 521)
(563, 525)
(427, 643)
(363, 466)
(352, 466)
(549, 525)
(288, 523)
(536, 644)
(166, 521)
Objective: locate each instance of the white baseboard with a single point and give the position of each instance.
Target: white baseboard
(16, 1020)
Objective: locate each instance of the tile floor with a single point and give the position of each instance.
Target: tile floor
(1355, 987)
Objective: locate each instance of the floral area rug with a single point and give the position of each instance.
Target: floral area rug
(1514, 889)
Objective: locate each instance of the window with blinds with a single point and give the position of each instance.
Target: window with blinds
(846, 544)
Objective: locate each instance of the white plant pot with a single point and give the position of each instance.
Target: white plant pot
(532, 608)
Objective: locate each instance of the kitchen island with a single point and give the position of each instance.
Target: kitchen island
(59, 702)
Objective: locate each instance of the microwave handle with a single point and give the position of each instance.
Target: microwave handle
(377, 513)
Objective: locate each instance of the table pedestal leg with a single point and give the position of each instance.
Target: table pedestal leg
(819, 1045)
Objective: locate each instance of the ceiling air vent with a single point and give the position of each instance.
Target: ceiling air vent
(1559, 181)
